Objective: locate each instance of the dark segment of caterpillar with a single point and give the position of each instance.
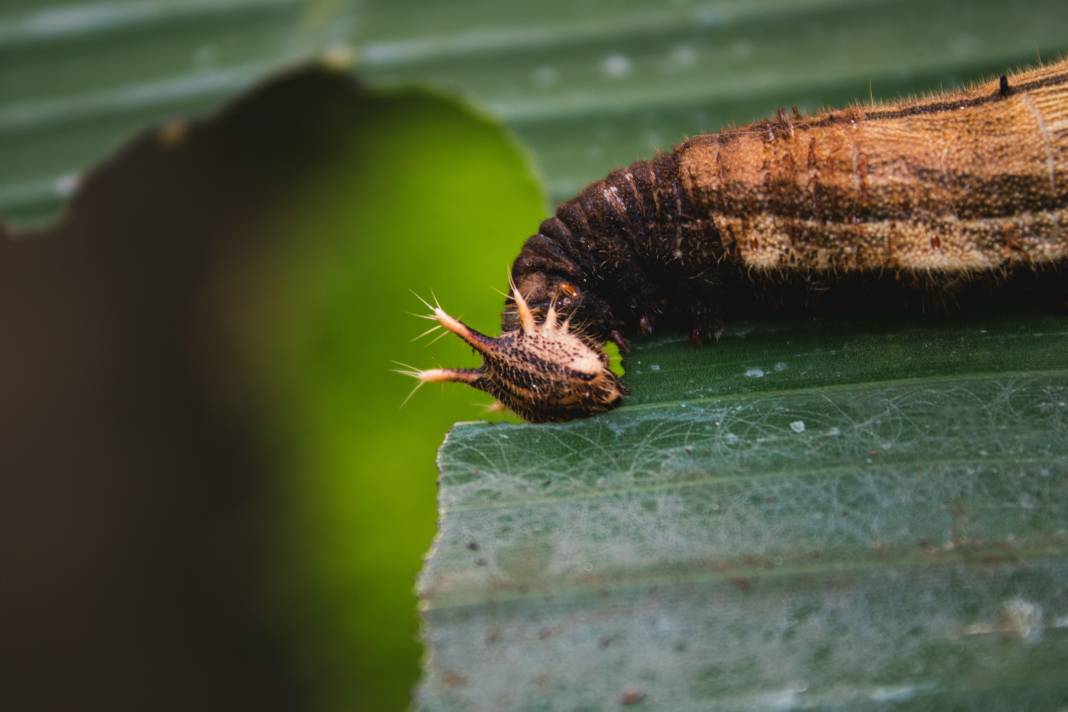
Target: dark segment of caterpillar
(937, 191)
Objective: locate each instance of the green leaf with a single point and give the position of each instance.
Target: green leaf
(318, 292)
(847, 515)
(587, 86)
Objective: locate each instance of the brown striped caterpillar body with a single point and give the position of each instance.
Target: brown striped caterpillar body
(945, 188)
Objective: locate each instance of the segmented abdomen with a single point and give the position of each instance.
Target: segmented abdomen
(967, 181)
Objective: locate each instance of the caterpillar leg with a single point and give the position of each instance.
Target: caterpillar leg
(702, 306)
(1058, 290)
(712, 330)
(1058, 295)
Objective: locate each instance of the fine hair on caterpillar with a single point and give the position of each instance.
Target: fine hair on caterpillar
(940, 192)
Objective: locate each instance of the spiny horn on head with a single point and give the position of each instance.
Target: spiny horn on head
(549, 325)
(445, 375)
(469, 376)
(526, 317)
(476, 339)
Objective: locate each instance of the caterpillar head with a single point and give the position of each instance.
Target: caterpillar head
(543, 372)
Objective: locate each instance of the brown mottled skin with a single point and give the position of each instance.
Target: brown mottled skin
(933, 191)
(940, 188)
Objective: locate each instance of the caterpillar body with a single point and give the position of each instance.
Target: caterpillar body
(942, 188)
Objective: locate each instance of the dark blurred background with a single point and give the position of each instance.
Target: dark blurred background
(211, 495)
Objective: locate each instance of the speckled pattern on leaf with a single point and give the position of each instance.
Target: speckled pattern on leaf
(878, 519)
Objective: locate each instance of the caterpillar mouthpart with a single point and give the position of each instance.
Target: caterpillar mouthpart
(542, 372)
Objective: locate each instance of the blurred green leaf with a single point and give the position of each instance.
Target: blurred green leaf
(588, 86)
(418, 193)
(825, 515)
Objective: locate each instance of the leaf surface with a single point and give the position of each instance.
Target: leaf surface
(804, 515)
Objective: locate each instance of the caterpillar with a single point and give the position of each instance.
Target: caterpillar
(940, 189)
